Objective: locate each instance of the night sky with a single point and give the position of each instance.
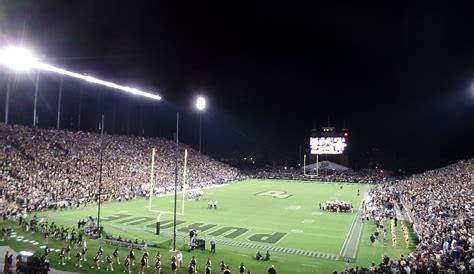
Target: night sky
(398, 78)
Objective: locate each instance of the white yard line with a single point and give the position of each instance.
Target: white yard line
(352, 225)
(348, 234)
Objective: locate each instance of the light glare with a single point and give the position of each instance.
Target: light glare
(21, 59)
(201, 103)
(17, 58)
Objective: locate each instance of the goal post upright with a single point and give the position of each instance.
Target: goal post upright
(304, 165)
(152, 187)
(151, 178)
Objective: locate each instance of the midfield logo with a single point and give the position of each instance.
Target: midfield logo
(275, 194)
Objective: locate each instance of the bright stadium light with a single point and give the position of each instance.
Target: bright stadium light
(200, 106)
(16, 58)
(201, 103)
(21, 59)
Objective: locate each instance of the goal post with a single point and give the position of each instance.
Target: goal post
(152, 187)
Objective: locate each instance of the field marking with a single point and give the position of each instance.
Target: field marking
(280, 250)
(307, 221)
(316, 213)
(296, 231)
(259, 246)
(348, 234)
(293, 207)
(354, 234)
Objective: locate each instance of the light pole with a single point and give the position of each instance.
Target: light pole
(7, 96)
(176, 155)
(17, 59)
(35, 103)
(200, 106)
(100, 172)
(60, 95)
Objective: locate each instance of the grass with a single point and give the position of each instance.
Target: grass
(259, 209)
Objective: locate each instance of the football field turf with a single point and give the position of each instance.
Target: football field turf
(276, 215)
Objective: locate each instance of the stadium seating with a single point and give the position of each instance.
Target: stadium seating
(52, 167)
(439, 203)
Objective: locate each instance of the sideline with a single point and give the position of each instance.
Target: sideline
(351, 244)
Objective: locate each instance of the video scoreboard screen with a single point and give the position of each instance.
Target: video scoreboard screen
(327, 145)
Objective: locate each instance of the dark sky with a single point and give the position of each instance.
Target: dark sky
(400, 78)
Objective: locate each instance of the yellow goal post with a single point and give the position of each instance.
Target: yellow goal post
(152, 187)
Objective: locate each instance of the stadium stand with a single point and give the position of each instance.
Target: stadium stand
(47, 167)
(52, 167)
(348, 176)
(439, 204)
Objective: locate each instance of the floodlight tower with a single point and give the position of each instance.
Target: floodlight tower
(19, 60)
(201, 107)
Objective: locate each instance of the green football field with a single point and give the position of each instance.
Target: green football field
(280, 216)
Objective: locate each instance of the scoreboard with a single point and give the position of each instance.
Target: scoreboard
(327, 145)
(328, 141)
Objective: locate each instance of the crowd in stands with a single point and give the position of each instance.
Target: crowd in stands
(440, 205)
(347, 176)
(49, 168)
(45, 168)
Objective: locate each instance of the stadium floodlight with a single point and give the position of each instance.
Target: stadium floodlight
(21, 59)
(201, 103)
(200, 106)
(16, 58)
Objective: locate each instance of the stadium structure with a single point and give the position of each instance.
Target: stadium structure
(94, 202)
(307, 225)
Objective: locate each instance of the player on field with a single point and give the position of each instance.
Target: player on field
(222, 266)
(268, 257)
(258, 256)
(67, 249)
(191, 269)
(79, 259)
(242, 268)
(158, 265)
(143, 263)
(116, 255)
(62, 255)
(227, 270)
(174, 265)
(100, 252)
(179, 259)
(109, 261)
(131, 255)
(213, 245)
(208, 269)
(96, 261)
(272, 270)
(126, 265)
(194, 264)
(83, 254)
